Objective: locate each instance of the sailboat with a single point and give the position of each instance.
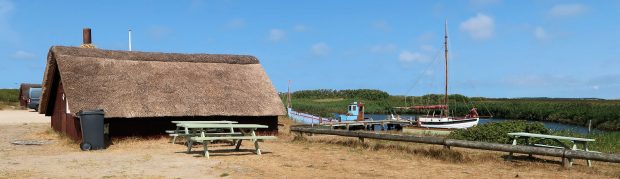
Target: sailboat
(443, 119)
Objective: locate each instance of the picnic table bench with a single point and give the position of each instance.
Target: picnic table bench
(178, 132)
(556, 139)
(248, 132)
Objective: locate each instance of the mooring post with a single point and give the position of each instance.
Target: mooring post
(589, 126)
(300, 134)
(565, 162)
(382, 126)
(445, 144)
(527, 142)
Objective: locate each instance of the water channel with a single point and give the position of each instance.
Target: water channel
(550, 125)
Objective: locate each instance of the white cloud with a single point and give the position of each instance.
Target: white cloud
(320, 49)
(407, 56)
(567, 10)
(276, 35)
(540, 33)
(383, 48)
(235, 24)
(23, 55)
(479, 27)
(300, 28)
(596, 87)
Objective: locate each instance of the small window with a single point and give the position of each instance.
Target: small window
(354, 108)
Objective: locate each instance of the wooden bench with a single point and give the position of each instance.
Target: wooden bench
(247, 133)
(548, 146)
(206, 140)
(178, 132)
(567, 162)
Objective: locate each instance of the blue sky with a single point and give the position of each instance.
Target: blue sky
(498, 48)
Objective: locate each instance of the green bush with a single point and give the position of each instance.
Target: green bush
(368, 94)
(9, 95)
(497, 132)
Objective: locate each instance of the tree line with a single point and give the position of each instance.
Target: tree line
(605, 114)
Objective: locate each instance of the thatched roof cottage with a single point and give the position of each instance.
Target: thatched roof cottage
(141, 92)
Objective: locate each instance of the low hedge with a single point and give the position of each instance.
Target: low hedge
(497, 132)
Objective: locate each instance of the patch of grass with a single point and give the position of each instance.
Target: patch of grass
(9, 95)
(400, 147)
(9, 98)
(224, 175)
(497, 132)
(147, 157)
(328, 100)
(9, 105)
(607, 142)
(138, 143)
(62, 141)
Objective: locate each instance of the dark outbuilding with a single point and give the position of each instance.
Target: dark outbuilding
(24, 94)
(141, 92)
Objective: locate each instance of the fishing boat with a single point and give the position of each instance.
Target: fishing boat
(443, 119)
(355, 112)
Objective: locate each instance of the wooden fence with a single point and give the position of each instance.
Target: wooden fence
(564, 153)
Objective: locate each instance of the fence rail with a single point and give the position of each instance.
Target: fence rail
(564, 153)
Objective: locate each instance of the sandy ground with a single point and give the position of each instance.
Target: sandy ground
(311, 157)
(22, 116)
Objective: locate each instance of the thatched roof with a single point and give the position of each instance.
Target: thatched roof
(145, 84)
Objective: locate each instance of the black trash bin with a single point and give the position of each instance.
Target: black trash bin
(91, 122)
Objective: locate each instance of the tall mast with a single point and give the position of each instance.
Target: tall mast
(445, 100)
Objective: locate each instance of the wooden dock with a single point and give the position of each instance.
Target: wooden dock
(369, 125)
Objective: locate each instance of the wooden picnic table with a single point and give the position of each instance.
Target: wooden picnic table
(178, 132)
(247, 132)
(556, 139)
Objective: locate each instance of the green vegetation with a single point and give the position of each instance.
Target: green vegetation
(9, 97)
(605, 114)
(367, 94)
(496, 132)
